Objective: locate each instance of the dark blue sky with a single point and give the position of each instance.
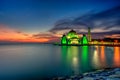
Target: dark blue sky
(35, 16)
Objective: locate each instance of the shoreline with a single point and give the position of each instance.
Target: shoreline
(87, 45)
(102, 74)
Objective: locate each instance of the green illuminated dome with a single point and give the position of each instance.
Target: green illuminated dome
(72, 38)
(84, 39)
(72, 34)
(63, 40)
(72, 31)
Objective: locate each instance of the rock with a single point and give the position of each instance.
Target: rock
(87, 78)
(109, 74)
(117, 72)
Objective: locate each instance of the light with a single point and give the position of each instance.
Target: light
(70, 38)
(96, 61)
(64, 40)
(116, 56)
(75, 59)
(116, 41)
(84, 59)
(84, 40)
(102, 56)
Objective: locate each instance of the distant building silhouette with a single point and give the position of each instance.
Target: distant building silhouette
(89, 34)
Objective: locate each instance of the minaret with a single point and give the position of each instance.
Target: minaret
(89, 34)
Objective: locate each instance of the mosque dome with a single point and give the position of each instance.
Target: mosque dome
(72, 31)
(73, 38)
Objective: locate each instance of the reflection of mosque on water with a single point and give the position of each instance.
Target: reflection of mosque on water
(102, 59)
(71, 60)
(75, 60)
(80, 59)
(99, 58)
(116, 56)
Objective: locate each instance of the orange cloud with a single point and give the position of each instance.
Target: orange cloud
(7, 33)
(48, 36)
(12, 35)
(113, 36)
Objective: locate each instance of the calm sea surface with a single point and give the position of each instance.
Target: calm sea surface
(41, 61)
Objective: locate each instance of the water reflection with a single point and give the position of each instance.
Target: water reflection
(116, 56)
(85, 64)
(71, 58)
(96, 59)
(51, 61)
(102, 56)
(76, 58)
(86, 58)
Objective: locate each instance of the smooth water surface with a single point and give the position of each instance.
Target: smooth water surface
(41, 61)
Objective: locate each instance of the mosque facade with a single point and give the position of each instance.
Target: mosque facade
(73, 38)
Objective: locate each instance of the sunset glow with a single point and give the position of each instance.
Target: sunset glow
(36, 21)
(13, 35)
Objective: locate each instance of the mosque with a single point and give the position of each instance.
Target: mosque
(73, 38)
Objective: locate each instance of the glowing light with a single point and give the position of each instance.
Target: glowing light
(96, 61)
(84, 57)
(75, 59)
(84, 52)
(102, 56)
(72, 58)
(117, 56)
(84, 40)
(116, 41)
(70, 38)
(75, 41)
(64, 40)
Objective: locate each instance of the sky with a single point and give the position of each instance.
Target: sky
(48, 20)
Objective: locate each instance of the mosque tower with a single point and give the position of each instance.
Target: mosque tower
(89, 34)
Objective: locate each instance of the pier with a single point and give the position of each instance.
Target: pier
(93, 43)
(105, 43)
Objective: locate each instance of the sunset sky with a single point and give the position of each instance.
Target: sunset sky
(47, 20)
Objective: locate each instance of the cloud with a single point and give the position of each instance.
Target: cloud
(8, 34)
(113, 36)
(101, 22)
(50, 37)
